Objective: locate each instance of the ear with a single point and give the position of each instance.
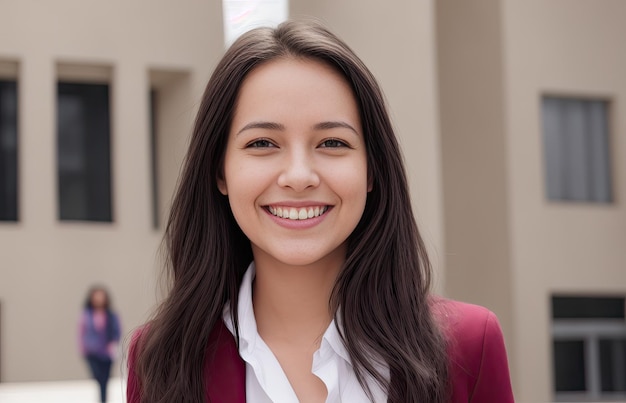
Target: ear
(221, 185)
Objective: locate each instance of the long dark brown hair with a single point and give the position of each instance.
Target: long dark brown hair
(382, 292)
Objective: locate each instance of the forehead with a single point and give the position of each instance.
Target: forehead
(295, 87)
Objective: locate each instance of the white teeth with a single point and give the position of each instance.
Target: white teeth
(293, 213)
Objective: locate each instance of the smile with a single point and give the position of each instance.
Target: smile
(293, 213)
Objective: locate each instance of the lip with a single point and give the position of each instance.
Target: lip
(297, 224)
(297, 203)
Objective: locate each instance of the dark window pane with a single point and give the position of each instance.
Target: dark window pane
(569, 365)
(83, 152)
(613, 365)
(587, 307)
(576, 149)
(8, 150)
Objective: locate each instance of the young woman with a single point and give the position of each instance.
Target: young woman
(99, 335)
(298, 270)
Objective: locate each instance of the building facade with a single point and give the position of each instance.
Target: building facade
(148, 64)
(483, 95)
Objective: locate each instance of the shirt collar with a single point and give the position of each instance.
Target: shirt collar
(333, 338)
(248, 332)
(247, 323)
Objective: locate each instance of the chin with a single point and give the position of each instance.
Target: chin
(310, 259)
(302, 254)
(299, 260)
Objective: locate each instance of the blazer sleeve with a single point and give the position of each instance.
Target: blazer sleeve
(493, 382)
(479, 371)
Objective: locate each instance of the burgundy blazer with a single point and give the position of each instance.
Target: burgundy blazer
(479, 370)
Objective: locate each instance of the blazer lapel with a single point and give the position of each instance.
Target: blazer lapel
(224, 369)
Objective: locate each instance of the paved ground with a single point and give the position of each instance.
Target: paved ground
(59, 392)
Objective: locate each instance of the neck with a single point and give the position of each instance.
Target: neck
(291, 303)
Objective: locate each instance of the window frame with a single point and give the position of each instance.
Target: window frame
(590, 331)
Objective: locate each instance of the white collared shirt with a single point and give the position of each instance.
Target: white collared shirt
(265, 379)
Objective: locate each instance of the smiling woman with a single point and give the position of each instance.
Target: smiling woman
(299, 274)
(295, 144)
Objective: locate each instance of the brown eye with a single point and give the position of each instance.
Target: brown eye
(333, 143)
(260, 143)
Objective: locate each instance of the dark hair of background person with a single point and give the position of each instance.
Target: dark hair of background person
(381, 293)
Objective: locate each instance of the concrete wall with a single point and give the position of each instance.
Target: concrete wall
(48, 265)
(565, 48)
(463, 83)
(508, 247)
(474, 163)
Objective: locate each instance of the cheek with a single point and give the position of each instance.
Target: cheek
(352, 187)
(352, 178)
(243, 206)
(244, 187)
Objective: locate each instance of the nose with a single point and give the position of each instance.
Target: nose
(298, 172)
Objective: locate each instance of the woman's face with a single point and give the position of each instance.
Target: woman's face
(295, 168)
(98, 299)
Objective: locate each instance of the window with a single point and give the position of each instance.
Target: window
(8, 150)
(242, 15)
(576, 149)
(589, 348)
(83, 152)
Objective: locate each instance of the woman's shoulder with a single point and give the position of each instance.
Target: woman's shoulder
(466, 327)
(476, 349)
(224, 370)
(462, 318)
(221, 345)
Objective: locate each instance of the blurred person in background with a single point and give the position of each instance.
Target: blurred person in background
(99, 335)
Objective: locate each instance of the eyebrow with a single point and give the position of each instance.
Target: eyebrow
(262, 125)
(279, 127)
(334, 125)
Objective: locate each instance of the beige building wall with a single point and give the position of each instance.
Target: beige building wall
(47, 265)
(564, 48)
(507, 246)
(464, 82)
(474, 163)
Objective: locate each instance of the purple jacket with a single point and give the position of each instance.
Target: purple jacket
(97, 341)
(478, 363)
